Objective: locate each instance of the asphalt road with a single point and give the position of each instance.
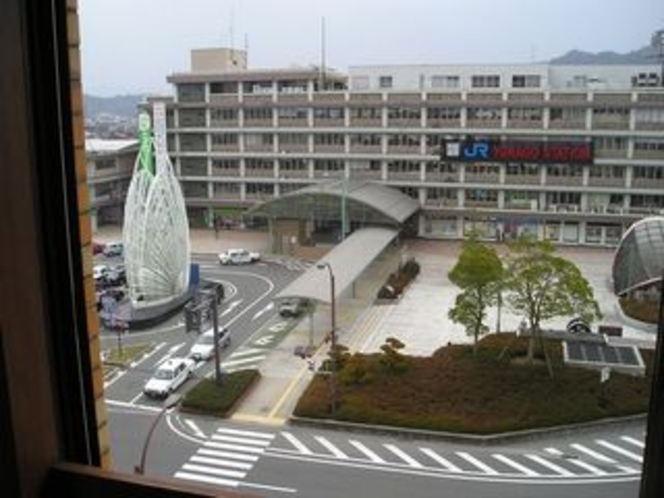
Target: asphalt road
(248, 311)
(297, 461)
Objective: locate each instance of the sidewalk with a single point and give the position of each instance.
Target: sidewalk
(419, 319)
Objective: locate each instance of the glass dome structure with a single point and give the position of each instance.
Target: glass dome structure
(639, 259)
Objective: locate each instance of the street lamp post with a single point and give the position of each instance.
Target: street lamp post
(333, 338)
(170, 402)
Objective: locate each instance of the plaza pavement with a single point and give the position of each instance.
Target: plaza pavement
(419, 319)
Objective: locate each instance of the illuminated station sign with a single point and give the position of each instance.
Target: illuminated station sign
(513, 151)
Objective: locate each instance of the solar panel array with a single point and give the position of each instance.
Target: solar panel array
(598, 355)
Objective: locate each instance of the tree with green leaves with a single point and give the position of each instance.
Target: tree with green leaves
(478, 272)
(541, 285)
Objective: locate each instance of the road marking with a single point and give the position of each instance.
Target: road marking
(134, 364)
(238, 432)
(593, 453)
(622, 451)
(264, 341)
(270, 488)
(126, 404)
(441, 460)
(239, 440)
(477, 463)
(297, 443)
(367, 452)
(217, 472)
(136, 398)
(404, 456)
(197, 431)
(278, 327)
(635, 442)
(221, 463)
(206, 479)
(228, 454)
(230, 307)
(550, 465)
(245, 352)
(331, 447)
(583, 464)
(515, 465)
(242, 361)
(234, 447)
(267, 308)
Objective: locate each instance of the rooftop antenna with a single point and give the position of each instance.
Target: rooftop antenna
(246, 50)
(322, 53)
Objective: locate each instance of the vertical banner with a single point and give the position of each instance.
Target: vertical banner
(159, 123)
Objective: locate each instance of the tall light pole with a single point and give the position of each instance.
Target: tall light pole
(170, 402)
(333, 338)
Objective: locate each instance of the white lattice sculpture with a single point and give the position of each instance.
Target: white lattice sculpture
(156, 231)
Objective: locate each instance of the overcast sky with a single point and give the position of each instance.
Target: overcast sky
(130, 46)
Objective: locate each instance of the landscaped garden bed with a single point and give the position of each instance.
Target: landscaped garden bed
(452, 390)
(219, 400)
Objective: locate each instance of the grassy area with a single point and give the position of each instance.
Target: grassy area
(208, 397)
(128, 354)
(113, 358)
(454, 391)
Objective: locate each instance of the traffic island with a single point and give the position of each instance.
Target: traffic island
(220, 400)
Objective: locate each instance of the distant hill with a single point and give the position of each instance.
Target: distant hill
(645, 55)
(121, 105)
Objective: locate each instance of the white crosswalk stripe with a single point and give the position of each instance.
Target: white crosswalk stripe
(299, 445)
(515, 465)
(367, 452)
(441, 460)
(595, 454)
(634, 441)
(404, 456)
(331, 448)
(477, 463)
(550, 465)
(579, 463)
(226, 458)
(622, 451)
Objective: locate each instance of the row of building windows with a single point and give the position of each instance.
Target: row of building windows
(191, 118)
(197, 141)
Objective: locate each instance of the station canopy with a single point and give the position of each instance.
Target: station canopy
(366, 203)
(639, 260)
(347, 260)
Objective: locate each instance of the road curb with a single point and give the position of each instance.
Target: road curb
(481, 440)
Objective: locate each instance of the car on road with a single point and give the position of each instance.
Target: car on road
(97, 248)
(99, 272)
(238, 257)
(168, 377)
(113, 249)
(117, 275)
(203, 348)
(291, 308)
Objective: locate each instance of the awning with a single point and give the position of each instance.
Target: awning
(348, 260)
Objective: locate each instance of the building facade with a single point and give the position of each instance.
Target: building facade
(110, 164)
(238, 137)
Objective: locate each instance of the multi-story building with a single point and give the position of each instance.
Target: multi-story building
(239, 136)
(110, 165)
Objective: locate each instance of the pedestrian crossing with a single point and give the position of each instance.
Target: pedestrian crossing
(291, 264)
(599, 458)
(226, 458)
(243, 359)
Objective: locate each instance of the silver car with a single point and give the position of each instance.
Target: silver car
(203, 348)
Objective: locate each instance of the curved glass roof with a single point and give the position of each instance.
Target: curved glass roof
(639, 260)
(371, 203)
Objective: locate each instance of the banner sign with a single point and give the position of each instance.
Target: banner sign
(470, 150)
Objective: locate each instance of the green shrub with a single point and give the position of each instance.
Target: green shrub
(208, 397)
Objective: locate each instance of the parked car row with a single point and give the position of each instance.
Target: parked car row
(110, 250)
